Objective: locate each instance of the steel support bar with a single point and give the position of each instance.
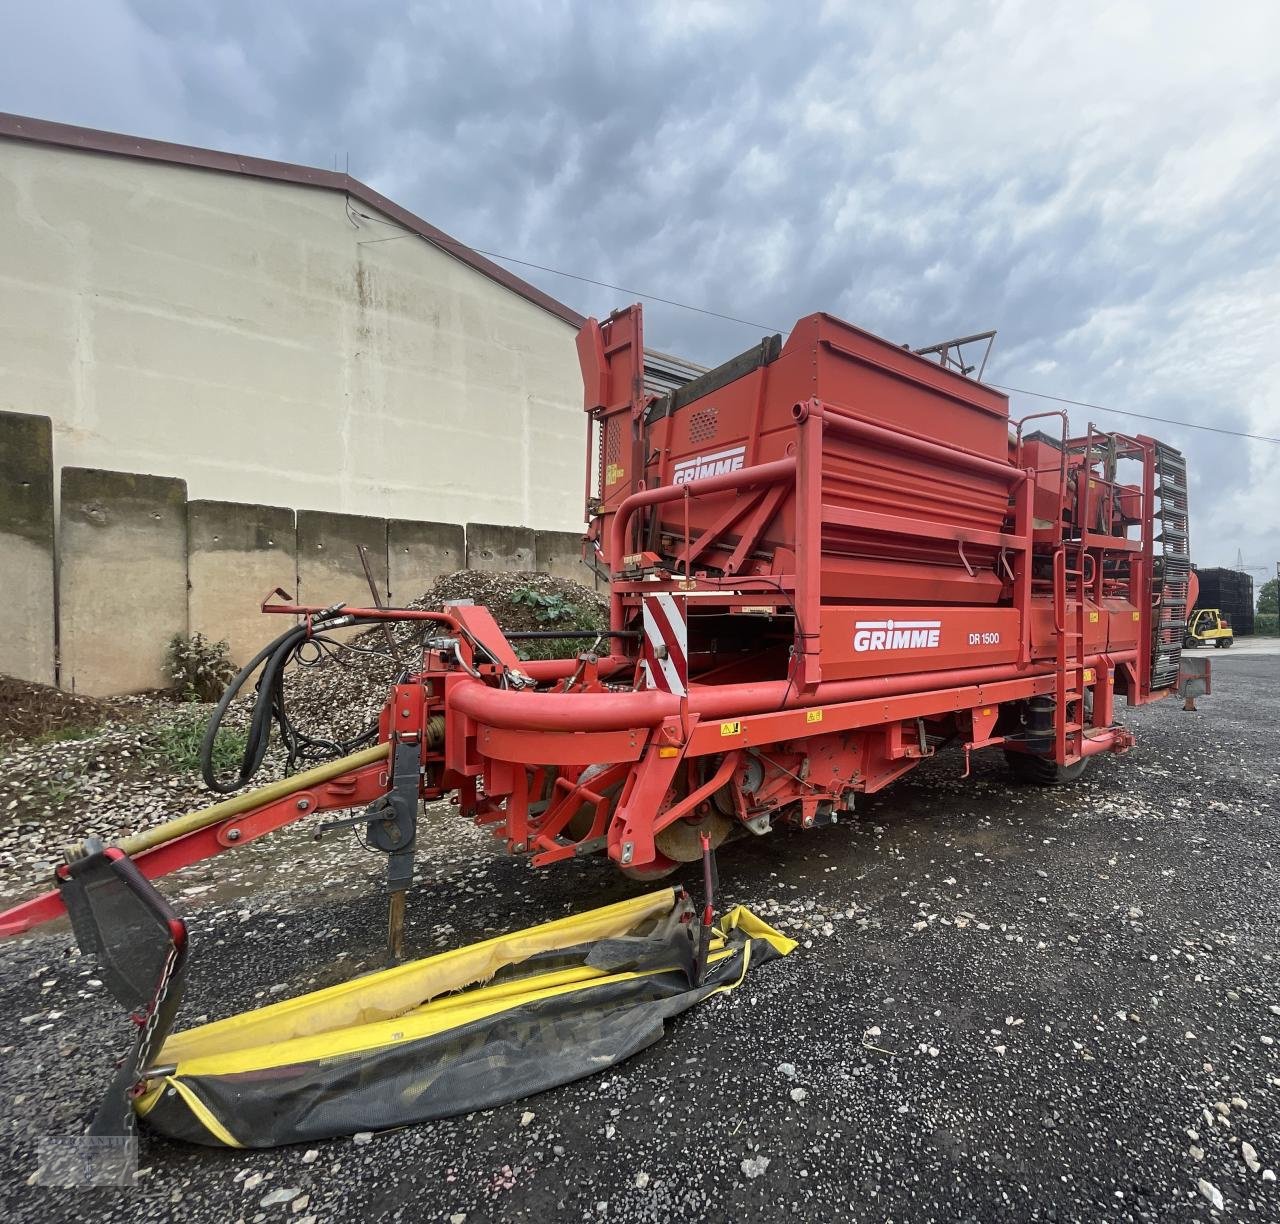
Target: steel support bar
(194, 842)
(910, 444)
(590, 712)
(893, 524)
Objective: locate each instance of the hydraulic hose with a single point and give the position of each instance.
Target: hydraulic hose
(272, 658)
(256, 745)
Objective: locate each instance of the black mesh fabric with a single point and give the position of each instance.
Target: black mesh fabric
(524, 1049)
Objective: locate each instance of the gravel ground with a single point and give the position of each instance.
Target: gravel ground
(1008, 1003)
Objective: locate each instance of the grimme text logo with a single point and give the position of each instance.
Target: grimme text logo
(896, 635)
(709, 465)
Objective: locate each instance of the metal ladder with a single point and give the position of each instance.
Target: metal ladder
(1069, 612)
(1172, 575)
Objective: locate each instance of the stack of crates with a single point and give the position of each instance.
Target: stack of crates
(1231, 592)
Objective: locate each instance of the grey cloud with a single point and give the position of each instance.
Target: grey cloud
(1099, 183)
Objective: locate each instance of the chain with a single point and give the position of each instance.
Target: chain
(147, 1036)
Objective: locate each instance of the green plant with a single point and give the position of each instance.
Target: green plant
(556, 611)
(57, 793)
(58, 735)
(549, 608)
(177, 744)
(200, 669)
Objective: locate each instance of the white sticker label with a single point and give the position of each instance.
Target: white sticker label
(709, 465)
(896, 635)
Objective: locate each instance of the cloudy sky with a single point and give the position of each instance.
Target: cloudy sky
(1099, 182)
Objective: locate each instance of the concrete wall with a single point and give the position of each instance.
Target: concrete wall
(252, 338)
(26, 547)
(136, 562)
(494, 547)
(123, 578)
(419, 553)
(329, 567)
(560, 553)
(237, 555)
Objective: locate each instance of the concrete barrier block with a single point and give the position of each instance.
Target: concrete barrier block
(122, 578)
(419, 553)
(494, 547)
(26, 547)
(236, 554)
(329, 566)
(560, 553)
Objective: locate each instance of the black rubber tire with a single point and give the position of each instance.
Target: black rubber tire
(1040, 771)
(659, 869)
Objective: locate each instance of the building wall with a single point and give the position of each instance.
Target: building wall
(136, 562)
(268, 346)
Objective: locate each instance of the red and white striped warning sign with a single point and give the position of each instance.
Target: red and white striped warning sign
(666, 645)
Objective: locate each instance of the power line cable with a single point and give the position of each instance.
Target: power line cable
(728, 318)
(1141, 416)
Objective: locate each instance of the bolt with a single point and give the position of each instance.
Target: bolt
(303, 804)
(233, 835)
(628, 852)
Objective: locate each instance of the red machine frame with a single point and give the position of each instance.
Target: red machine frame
(868, 563)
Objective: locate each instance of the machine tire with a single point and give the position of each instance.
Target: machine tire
(660, 868)
(1038, 771)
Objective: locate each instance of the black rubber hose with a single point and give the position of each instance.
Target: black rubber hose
(274, 654)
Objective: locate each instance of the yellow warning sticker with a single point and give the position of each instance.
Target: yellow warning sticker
(1136, 614)
(813, 716)
(613, 473)
(1089, 675)
(731, 728)
(1093, 618)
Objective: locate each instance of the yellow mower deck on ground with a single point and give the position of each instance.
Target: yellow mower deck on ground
(463, 1030)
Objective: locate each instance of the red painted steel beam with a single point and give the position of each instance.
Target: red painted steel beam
(910, 444)
(349, 790)
(743, 478)
(592, 712)
(895, 524)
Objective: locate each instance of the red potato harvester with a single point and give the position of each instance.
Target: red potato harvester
(827, 558)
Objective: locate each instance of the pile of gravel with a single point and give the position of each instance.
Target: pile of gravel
(123, 776)
(337, 695)
(72, 766)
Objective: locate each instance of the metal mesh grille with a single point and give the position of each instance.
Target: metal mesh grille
(702, 425)
(600, 458)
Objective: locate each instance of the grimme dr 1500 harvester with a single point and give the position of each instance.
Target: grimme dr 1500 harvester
(827, 558)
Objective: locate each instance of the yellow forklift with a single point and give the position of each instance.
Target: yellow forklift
(1208, 627)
